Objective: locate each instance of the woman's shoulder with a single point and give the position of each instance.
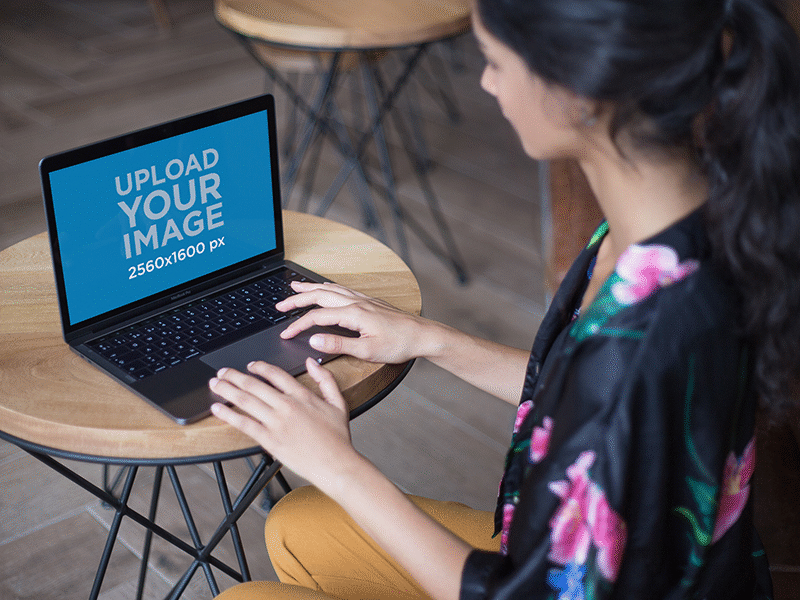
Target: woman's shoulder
(677, 300)
(666, 283)
(660, 332)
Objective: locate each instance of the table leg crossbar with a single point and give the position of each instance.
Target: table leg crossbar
(318, 126)
(200, 552)
(450, 251)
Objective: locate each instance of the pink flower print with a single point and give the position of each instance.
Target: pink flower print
(583, 517)
(569, 534)
(735, 489)
(508, 515)
(609, 533)
(540, 440)
(644, 269)
(522, 412)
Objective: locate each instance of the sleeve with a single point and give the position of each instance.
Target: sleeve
(639, 428)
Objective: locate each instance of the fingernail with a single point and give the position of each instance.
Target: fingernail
(222, 371)
(212, 383)
(316, 341)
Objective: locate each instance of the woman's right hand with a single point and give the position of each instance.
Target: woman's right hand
(386, 334)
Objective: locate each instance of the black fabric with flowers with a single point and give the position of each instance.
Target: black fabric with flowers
(629, 469)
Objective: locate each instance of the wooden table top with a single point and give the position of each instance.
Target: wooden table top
(345, 24)
(51, 397)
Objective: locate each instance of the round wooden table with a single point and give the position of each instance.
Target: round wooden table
(344, 24)
(54, 404)
(51, 397)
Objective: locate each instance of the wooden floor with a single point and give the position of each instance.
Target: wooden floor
(75, 71)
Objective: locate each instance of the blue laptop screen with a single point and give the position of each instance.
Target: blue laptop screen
(153, 217)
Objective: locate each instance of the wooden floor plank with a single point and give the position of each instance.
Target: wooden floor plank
(34, 495)
(155, 589)
(60, 561)
(8, 451)
(415, 446)
(486, 413)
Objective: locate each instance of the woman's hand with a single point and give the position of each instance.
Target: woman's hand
(386, 334)
(389, 335)
(308, 434)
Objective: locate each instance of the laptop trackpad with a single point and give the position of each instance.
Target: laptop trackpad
(289, 355)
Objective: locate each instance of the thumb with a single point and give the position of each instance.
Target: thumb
(327, 385)
(336, 344)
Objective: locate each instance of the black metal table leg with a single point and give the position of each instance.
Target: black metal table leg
(193, 532)
(226, 504)
(379, 136)
(112, 533)
(312, 125)
(148, 536)
(199, 552)
(265, 471)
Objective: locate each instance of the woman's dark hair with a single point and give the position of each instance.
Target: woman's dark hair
(721, 77)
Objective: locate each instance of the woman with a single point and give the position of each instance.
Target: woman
(630, 462)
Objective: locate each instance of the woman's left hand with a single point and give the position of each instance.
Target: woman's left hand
(308, 434)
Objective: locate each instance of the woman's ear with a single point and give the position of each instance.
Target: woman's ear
(585, 113)
(588, 115)
(573, 110)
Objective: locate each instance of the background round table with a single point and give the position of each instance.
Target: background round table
(344, 24)
(329, 39)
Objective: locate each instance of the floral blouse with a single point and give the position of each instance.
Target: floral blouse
(632, 452)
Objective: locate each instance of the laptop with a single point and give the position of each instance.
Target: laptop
(168, 254)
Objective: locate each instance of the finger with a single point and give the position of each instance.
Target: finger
(256, 406)
(323, 317)
(243, 423)
(337, 344)
(248, 384)
(326, 295)
(299, 300)
(279, 379)
(305, 286)
(330, 343)
(327, 385)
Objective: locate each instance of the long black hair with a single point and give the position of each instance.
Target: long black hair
(721, 77)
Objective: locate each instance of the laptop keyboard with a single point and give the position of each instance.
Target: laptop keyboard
(174, 337)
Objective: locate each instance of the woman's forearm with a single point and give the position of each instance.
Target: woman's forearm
(492, 367)
(389, 335)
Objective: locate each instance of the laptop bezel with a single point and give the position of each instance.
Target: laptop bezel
(184, 291)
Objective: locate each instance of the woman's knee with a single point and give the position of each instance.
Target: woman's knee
(296, 516)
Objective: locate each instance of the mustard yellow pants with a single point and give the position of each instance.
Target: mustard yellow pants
(319, 553)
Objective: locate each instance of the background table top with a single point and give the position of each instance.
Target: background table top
(51, 397)
(344, 24)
